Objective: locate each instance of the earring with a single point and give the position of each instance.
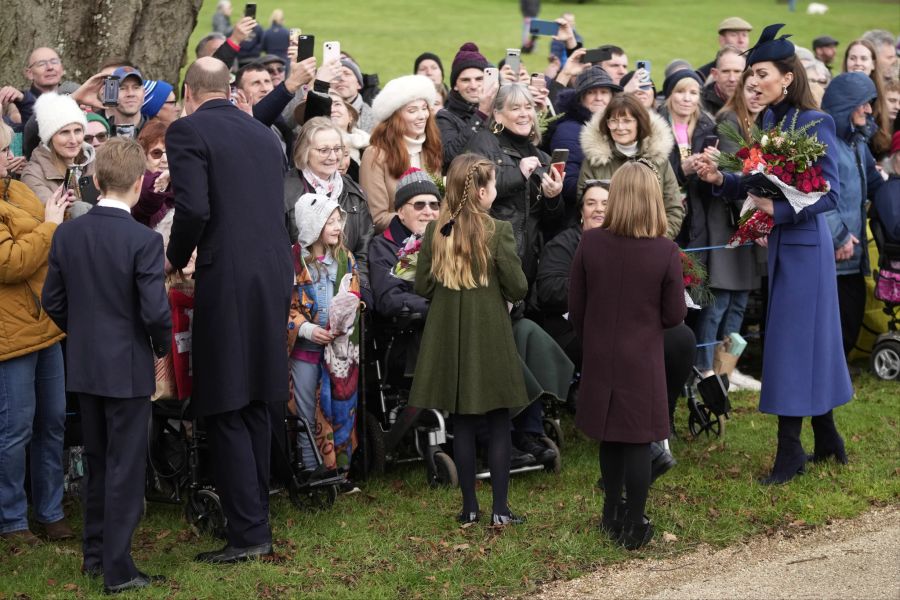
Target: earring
(496, 128)
(784, 90)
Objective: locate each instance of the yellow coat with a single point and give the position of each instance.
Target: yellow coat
(24, 247)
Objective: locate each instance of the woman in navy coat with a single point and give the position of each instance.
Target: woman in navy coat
(804, 370)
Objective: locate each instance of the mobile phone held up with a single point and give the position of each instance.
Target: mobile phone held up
(514, 60)
(250, 10)
(538, 27)
(558, 160)
(646, 66)
(331, 51)
(306, 45)
(492, 73)
(109, 95)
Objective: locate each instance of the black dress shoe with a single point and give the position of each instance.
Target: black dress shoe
(141, 581)
(517, 458)
(503, 520)
(612, 526)
(231, 554)
(468, 517)
(662, 462)
(636, 535)
(532, 444)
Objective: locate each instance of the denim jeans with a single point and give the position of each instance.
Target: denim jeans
(717, 320)
(32, 410)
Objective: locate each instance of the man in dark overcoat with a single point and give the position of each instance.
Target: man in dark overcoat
(226, 170)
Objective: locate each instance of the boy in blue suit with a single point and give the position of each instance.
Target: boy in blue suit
(105, 289)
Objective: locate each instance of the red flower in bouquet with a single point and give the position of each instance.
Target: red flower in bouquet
(782, 161)
(695, 280)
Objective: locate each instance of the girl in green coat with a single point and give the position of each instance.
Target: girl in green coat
(468, 365)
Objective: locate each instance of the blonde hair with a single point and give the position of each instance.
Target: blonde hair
(461, 258)
(6, 135)
(119, 163)
(307, 134)
(635, 207)
(695, 116)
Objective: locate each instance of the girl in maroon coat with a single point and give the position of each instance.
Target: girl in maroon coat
(626, 287)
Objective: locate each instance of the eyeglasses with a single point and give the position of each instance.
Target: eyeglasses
(326, 152)
(43, 64)
(419, 205)
(100, 137)
(275, 70)
(621, 122)
(156, 153)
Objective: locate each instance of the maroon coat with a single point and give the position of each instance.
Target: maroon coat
(623, 292)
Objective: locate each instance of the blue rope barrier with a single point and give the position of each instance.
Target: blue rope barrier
(722, 247)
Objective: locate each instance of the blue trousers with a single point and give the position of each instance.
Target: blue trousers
(717, 320)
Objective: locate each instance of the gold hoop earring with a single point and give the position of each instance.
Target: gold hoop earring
(497, 128)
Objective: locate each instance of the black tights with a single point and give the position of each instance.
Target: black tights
(627, 464)
(499, 448)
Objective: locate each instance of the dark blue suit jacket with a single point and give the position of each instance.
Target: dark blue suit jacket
(105, 288)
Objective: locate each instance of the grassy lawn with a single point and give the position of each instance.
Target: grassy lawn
(398, 538)
(385, 36)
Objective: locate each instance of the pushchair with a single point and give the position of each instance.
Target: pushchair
(707, 413)
(885, 359)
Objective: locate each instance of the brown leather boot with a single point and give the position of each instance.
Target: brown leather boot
(58, 531)
(23, 537)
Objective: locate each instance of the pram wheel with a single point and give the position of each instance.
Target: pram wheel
(204, 511)
(444, 471)
(313, 498)
(702, 420)
(553, 430)
(555, 465)
(885, 360)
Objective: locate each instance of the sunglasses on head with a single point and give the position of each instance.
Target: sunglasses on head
(419, 205)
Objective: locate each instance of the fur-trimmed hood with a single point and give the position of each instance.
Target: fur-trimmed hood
(598, 148)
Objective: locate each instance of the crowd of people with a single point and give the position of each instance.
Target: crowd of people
(438, 195)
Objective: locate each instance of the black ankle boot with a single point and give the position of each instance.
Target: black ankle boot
(636, 535)
(612, 526)
(790, 458)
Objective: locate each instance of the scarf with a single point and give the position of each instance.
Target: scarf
(414, 147)
(331, 187)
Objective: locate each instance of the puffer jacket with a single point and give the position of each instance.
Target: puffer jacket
(856, 167)
(24, 246)
(602, 159)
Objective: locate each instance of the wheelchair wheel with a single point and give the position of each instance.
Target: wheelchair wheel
(553, 430)
(445, 474)
(204, 511)
(375, 452)
(885, 360)
(554, 466)
(702, 420)
(313, 499)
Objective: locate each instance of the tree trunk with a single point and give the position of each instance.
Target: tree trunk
(153, 34)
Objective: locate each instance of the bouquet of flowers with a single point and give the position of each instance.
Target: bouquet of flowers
(408, 257)
(777, 164)
(696, 290)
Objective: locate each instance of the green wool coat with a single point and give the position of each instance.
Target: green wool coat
(468, 362)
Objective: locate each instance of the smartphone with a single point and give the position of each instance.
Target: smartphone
(70, 177)
(513, 59)
(492, 73)
(595, 56)
(109, 96)
(643, 64)
(538, 81)
(539, 27)
(558, 160)
(306, 45)
(331, 51)
(711, 141)
(250, 10)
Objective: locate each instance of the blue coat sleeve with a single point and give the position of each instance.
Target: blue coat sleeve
(567, 136)
(267, 110)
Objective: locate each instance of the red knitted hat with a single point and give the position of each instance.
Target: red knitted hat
(468, 57)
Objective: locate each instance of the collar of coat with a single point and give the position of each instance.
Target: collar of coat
(598, 148)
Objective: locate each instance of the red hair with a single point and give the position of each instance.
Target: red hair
(388, 137)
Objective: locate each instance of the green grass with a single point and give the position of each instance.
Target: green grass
(398, 538)
(385, 36)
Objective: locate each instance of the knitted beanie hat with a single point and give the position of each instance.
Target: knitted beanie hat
(92, 116)
(468, 57)
(400, 92)
(428, 56)
(412, 183)
(346, 62)
(311, 212)
(53, 112)
(593, 78)
(156, 92)
(673, 79)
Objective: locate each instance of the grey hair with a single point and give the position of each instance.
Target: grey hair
(306, 135)
(222, 4)
(879, 37)
(510, 93)
(205, 40)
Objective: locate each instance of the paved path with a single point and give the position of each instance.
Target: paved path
(856, 558)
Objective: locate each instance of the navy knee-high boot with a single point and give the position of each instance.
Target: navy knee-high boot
(790, 459)
(828, 442)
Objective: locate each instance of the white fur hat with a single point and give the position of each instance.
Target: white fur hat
(311, 212)
(53, 112)
(400, 92)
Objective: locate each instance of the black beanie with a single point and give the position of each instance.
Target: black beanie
(428, 56)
